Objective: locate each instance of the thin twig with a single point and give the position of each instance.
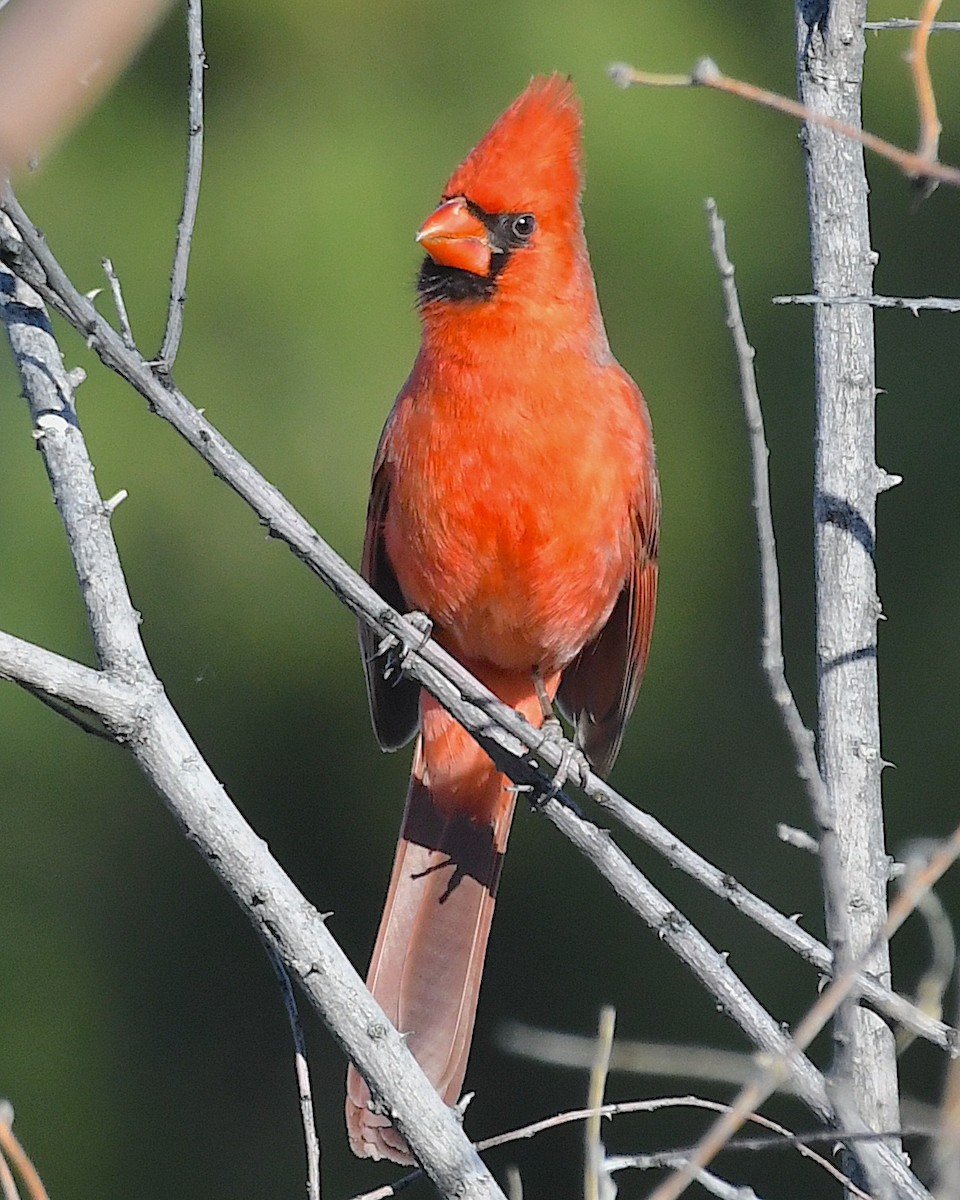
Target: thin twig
(711, 1183)
(754, 1093)
(798, 838)
(928, 145)
(800, 736)
(938, 973)
(707, 74)
(784, 1138)
(18, 1158)
(668, 1060)
(125, 331)
(191, 191)
(7, 1182)
(911, 23)
(911, 304)
(593, 1164)
(305, 1092)
(499, 727)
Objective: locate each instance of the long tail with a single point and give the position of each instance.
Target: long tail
(428, 959)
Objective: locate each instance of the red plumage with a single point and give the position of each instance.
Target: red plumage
(515, 501)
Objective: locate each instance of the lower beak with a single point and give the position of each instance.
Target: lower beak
(454, 237)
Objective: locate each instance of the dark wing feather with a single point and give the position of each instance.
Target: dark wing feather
(394, 702)
(599, 688)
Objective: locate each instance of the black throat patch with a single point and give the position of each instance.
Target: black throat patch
(506, 234)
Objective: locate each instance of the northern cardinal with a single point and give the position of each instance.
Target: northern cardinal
(515, 501)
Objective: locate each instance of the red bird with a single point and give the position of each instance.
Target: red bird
(514, 501)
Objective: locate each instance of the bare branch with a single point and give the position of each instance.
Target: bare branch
(914, 305)
(939, 971)
(15, 1154)
(125, 331)
(596, 1182)
(171, 761)
(800, 736)
(712, 1184)
(783, 1137)
(928, 145)
(853, 859)
(911, 23)
(669, 1060)
(707, 74)
(311, 1141)
(191, 190)
(501, 730)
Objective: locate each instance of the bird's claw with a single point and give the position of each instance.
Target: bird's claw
(424, 626)
(573, 763)
(395, 651)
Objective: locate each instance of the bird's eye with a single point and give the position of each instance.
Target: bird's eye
(523, 226)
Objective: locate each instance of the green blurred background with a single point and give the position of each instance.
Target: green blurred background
(142, 1038)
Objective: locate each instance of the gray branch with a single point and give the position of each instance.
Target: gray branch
(516, 747)
(191, 190)
(914, 304)
(911, 23)
(500, 729)
(830, 48)
(131, 700)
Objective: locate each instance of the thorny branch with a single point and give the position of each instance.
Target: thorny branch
(469, 702)
(911, 304)
(800, 736)
(146, 380)
(500, 728)
(133, 705)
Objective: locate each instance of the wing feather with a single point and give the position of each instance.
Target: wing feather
(394, 701)
(599, 688)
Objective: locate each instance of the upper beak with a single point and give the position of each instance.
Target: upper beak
(454, 237)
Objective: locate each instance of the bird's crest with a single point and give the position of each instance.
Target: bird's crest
(530, 157)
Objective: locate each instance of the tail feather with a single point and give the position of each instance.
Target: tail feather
(428, 960)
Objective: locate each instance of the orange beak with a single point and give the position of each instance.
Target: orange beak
(454, 237)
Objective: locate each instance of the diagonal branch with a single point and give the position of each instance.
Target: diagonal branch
(172, 763)
(468, 702)
(706, 73)
(499, 728)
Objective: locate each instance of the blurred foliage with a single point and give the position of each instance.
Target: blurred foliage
(143, 1040)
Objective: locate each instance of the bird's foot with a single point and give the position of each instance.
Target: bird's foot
(396, 652)
(573, 762)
